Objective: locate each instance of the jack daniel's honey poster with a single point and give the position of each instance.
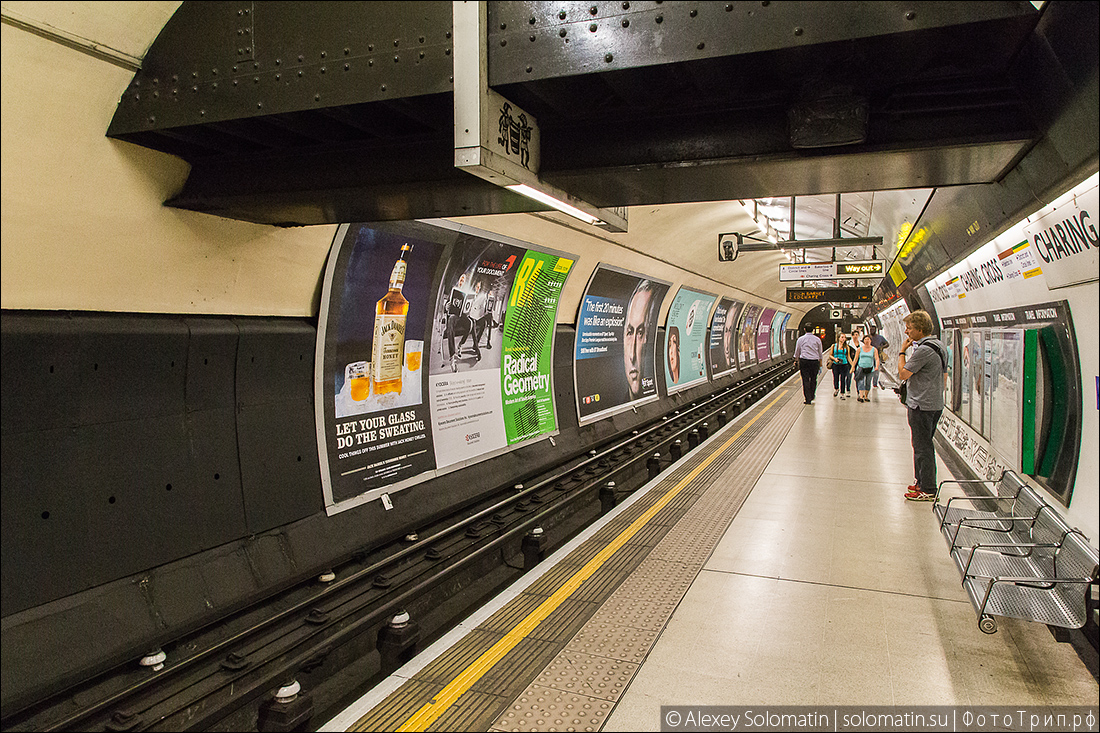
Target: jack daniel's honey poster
(376, 425)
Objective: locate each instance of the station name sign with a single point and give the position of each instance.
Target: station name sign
(828, 295)
(831, 270)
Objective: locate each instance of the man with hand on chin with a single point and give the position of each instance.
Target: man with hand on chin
(924, 370)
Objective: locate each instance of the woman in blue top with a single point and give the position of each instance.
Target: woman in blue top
(866, 363)
(838, 362)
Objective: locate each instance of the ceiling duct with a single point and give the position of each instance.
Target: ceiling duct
(835, 117)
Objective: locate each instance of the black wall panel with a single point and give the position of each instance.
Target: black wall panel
(277, 438)
(211, 363)
(131, 441)
(130, 367)
(280, 476)
(40, 356)
(44, 517)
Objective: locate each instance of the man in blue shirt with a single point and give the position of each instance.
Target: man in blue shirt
(807, 351)
(924, 369)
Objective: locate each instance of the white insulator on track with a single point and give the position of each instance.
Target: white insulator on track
(154, 659)
(288, 692)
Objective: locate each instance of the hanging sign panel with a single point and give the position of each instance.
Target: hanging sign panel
(806, 271)
(416, 376)
(828, 295)
(614, 355)
(685, 339)
(831, 270)
(723, 337)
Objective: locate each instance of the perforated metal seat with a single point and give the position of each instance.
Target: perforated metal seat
(1046, 584)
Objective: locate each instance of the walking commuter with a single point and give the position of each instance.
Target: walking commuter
(864, 366)
(924, 369)
(851, 346)
(840, 365)
(807, 351)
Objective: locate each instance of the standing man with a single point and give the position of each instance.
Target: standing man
(924, 368)
(807, 350)
(879, 342)
(479, 315)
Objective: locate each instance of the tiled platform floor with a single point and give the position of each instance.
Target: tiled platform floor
(830, 588)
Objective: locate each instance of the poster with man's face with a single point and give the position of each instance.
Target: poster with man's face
(616, 343)
(723, 337)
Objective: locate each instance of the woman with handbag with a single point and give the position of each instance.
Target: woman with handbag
(865, 363)
(839, 363)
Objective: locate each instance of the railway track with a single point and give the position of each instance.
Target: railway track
(333, 640)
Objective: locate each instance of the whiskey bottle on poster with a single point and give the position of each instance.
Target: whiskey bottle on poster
(388, 351)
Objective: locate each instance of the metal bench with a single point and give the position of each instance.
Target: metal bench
(1020, 519)
(1047, 584)
(1004, 489)
(1017, 556)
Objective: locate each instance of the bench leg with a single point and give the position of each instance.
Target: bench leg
(987, 624)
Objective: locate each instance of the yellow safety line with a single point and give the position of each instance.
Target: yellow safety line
(446, 697)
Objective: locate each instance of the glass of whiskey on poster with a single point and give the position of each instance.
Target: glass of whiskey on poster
(358, 377)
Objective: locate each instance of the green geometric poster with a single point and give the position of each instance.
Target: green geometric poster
(525, 373)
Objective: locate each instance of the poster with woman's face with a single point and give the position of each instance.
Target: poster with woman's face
(763, 335)
(685, 337)
(723, 337)
(614, 357)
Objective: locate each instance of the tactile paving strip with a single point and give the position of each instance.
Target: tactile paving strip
(544, 709)
(585, 674)
(642, 582)
(626, 626)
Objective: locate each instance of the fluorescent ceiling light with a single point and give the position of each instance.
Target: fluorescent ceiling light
(549, 200)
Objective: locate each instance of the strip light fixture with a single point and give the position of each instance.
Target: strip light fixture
(545, 198)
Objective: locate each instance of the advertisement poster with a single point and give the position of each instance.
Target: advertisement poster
(491, 348)
(746, 337)
(723, 337)
(614, 355)
(763, 336)
(530, 315)
(435, 345)
(685, 337)
(779, 324)
(373, 423)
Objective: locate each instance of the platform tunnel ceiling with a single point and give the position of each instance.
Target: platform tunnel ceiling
(678, 138)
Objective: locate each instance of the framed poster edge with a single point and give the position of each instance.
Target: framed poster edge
(610, 412)
(370, 495)
(319, 363)
(687, 385)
